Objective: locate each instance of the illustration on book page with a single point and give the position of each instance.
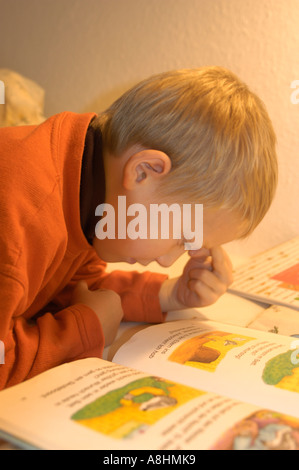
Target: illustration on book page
(130, 410)
(206, 351)
(263, 430)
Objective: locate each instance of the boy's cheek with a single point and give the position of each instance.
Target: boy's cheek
(120, 250)
(129, 251)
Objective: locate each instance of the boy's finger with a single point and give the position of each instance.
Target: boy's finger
(206, 295)
(221, 263)
(209, 280)
(204, 264)
(201, 253)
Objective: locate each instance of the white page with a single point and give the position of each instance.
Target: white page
(40, 412)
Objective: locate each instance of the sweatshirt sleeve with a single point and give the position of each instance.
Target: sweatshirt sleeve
(139, 292)
(35, 345)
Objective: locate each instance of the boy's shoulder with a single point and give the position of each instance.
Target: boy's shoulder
(36, 163)
(33, 149)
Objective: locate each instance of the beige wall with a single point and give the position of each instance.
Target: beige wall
(86, 52)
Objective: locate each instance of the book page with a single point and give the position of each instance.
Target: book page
(272, 276)
(249, 365)
(94, 404)
(277, 319)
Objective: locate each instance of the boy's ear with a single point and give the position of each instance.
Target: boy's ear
(145, 165)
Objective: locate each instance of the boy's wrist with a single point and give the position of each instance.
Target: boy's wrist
(168, 296)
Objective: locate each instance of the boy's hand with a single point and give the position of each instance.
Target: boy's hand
(105, 303)
(206, 276)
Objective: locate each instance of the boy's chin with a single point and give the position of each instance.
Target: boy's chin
(142, 262)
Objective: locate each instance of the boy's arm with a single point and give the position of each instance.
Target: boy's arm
(139, 292)
(32, 346)
(74, 331)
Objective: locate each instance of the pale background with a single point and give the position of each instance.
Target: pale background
(85, 53)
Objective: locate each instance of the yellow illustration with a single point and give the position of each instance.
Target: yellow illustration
(206, 351)
(130, 410)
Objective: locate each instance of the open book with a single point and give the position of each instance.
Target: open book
(184, 384)
(271, 277)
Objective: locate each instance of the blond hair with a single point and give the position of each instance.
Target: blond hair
(216, 132)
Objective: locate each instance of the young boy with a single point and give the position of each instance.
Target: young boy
(185, 137)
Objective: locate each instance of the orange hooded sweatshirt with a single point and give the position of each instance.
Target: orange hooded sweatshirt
(43, 253)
